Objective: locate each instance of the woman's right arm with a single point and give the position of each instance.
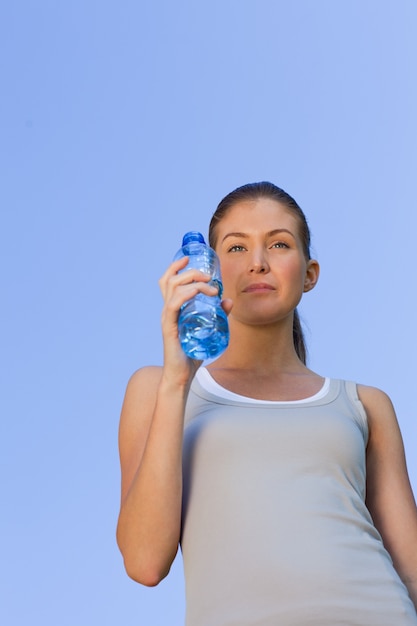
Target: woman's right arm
(150, 446)
(150, 442)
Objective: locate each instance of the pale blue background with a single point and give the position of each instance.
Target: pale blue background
(122, 124)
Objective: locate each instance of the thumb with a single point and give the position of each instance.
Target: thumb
(227, 305)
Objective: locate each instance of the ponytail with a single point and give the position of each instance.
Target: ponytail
(298, 337)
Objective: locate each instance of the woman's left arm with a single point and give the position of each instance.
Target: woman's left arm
(390, 498)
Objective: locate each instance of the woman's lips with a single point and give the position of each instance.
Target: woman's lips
(258, 287)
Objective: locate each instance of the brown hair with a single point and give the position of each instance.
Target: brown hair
(264, 189)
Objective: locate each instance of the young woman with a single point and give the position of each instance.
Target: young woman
(287, 491)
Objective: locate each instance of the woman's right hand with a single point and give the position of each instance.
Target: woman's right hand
(178, 287)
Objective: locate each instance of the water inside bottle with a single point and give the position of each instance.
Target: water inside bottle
(204, 337)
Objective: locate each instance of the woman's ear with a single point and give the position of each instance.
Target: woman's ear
(312, 275)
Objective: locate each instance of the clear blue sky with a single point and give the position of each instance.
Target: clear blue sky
(122, 124)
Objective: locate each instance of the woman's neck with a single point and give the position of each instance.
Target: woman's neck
(260, 349)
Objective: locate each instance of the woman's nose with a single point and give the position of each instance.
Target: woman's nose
(258, 264)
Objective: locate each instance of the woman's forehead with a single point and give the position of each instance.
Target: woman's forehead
(263, 213)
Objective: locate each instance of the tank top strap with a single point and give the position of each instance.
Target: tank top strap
(351, 389)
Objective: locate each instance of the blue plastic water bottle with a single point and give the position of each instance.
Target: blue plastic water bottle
(202, 323)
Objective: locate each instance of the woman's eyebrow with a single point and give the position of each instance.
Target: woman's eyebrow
(271, 233)
(277, 231)
(239, 235)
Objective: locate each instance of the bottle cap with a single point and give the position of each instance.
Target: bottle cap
(193, 235)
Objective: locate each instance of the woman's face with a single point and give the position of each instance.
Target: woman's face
(264, 269)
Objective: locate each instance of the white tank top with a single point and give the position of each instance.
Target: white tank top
(207, 381)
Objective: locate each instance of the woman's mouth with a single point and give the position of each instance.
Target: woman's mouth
(258, 287)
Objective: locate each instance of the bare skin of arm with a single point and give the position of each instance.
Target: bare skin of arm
(390, 497)
(150, 442)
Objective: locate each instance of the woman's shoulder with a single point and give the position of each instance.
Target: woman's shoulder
(379, 408)
(146, 374)
(373, 397)
(143, 383)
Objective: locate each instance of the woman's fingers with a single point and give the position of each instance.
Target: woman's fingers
(179, 286)
(176, 297)
(173, 269)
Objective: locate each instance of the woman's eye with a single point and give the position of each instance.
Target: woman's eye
(280, 244)
(236, 248)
